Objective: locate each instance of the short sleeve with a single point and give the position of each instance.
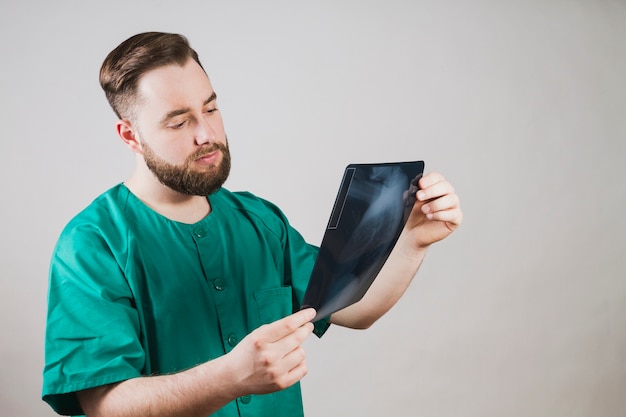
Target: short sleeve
(92, 333)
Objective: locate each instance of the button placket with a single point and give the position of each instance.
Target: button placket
(218, 285)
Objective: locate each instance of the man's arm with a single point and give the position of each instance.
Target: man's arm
(269, 359)
(435, 215)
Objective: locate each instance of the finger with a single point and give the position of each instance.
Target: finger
(288, 365)
(453, 217)
(294, 359)
(293, 341)
(298, 372)
(286, 375)
(435, 190)
(429, 179)
(281, 328)
(445, 202)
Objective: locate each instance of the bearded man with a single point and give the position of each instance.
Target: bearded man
(172, 296)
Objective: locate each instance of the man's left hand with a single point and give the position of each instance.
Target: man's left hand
(436, 213)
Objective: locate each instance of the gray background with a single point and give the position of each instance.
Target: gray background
(521, 104)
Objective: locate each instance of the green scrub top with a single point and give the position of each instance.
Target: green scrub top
(133, 293)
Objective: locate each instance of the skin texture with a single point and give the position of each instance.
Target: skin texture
(176, 115)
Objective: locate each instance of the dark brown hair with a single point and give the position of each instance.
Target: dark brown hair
(123, 67)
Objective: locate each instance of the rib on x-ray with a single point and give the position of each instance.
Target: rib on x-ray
(372, 207)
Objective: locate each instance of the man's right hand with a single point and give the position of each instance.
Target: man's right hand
(271, 358)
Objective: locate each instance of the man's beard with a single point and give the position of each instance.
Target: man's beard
(184, 178)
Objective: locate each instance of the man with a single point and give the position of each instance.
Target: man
(171, 296)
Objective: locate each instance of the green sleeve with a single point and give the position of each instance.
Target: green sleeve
(92, 325)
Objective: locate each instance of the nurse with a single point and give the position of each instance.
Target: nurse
(170, 295)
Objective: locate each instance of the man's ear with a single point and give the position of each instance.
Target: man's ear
(128, 134)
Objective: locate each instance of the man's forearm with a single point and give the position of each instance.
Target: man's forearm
(389, 285)
(269, 359)
(199, 391)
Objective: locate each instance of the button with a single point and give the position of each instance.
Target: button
(200, 231)
(245, 399)
(218, 284)
(232, 340)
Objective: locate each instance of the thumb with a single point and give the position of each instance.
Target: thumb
(286, 326)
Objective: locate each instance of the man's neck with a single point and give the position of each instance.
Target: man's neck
(165, 201)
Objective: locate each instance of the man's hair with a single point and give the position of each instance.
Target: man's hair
(124, 66)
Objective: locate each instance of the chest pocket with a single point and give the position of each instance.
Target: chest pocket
(274, 304)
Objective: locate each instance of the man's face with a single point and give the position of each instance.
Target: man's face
(181, 130)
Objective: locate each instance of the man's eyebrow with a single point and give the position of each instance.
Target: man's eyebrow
(184, 110)
(213, 97)
(173, 114)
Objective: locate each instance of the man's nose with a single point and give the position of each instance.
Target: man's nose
(204, 132)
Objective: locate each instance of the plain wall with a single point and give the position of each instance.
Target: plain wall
(520, 104)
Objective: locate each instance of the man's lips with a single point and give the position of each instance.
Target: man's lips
(208, 158)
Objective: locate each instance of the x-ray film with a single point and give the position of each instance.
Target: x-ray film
(372, 206)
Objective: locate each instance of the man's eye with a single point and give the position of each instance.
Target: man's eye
(177, 125)
(211, 110)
